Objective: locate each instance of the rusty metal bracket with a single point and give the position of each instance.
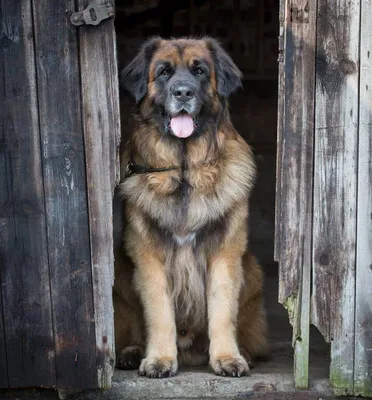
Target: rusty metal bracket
(93, 14)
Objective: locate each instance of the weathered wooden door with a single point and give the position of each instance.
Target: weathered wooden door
(324, 184)
(59, 132)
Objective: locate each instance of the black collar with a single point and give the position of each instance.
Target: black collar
(132, 169)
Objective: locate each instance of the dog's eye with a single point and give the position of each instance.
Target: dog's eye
(165, 72)
(199, 71)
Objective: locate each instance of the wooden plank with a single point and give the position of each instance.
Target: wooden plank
(363, 306)
(335, 184)
(280, 125)
(295, 157)
(3, 360)
(24, 270)
(66, 193)
(99, 78)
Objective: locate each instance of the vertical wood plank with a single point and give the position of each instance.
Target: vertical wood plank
(295, 157)
(3, 360)
(99, 79)
(66, 193)
(335, 184)
(23, 246)
(280, 124)
(363, 306)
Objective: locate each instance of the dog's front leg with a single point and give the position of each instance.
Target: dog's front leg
(161, 350)
(224, 282)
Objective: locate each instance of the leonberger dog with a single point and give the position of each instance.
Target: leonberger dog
(187, 291)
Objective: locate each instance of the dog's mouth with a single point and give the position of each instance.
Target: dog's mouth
(182, 125)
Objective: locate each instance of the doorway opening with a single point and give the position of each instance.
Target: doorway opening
(248, 30)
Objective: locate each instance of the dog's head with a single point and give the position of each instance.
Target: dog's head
(181, 84)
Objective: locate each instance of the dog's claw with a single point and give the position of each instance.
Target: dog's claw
(230, 366)
(158, 367)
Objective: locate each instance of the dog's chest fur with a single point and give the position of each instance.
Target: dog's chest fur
(188, 241)
(188, 213)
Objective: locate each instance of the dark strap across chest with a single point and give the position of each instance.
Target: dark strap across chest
(132, 169)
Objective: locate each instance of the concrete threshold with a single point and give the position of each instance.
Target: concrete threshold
(188, 384)
(202, 384)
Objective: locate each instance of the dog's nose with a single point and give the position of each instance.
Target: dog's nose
(183, 92)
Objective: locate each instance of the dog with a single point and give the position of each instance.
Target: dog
(187, 290)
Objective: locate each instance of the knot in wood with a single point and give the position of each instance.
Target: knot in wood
(347, 66)
(324, 259)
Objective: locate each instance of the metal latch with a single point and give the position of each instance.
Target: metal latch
(300, 15)
(92, 15)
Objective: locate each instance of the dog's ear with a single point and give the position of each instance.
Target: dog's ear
(228, 74)
(134, 77)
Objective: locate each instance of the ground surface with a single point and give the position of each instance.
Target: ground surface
(270, 380)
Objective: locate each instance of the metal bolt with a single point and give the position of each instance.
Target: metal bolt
(75, 18)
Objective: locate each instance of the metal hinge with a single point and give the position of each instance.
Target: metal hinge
(300, 15)
(93, 14)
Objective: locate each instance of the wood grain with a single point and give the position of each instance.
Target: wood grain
(58, 79)
(3, 360)
(99, 78)
(363, 313)
(295, 163)
(335, 184)
(23, 246)
(280, 125)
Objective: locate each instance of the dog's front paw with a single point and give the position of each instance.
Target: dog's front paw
(230, 366)
(158, 367)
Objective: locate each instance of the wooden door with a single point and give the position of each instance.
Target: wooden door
(324, 184)
(58, 155)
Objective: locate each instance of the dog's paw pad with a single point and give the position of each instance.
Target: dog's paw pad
(160, 367)
(129, 358)
(230, 366)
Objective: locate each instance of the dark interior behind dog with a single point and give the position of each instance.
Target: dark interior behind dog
(187, 290)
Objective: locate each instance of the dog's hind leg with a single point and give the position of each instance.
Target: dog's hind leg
(130, 357)
(252, 323)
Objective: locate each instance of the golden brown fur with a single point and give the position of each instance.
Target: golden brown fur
(189, 292)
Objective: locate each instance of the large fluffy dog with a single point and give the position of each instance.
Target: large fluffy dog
(189, 291)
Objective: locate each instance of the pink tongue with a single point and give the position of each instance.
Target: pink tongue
(182, 125)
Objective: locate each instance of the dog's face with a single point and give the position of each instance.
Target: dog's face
(181, 84)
